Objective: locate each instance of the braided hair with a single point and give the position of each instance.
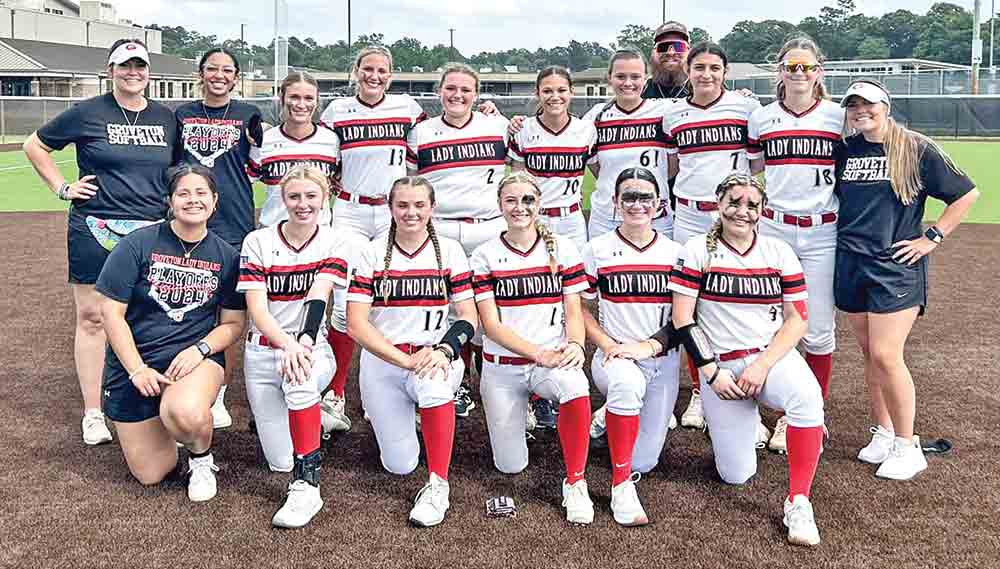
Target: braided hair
(729, 182)
(551, 247)
(413, 182)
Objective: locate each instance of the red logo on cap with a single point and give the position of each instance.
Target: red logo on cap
(130, 46)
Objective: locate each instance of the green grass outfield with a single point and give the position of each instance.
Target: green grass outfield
(23, 191)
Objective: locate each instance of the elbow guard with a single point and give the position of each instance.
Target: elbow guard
(666, 337)
(457, 335)
(694, 340)
(315, 311)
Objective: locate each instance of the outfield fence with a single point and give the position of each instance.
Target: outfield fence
(949, 115)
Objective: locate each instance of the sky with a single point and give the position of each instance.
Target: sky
(480, 26)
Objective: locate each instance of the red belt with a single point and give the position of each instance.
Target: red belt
(409, 349)
(365, 200)
(559, 211)
(506, 360)
(799, 220)
(739, 354)
(470, 219)
(259, 340)
(700, 206)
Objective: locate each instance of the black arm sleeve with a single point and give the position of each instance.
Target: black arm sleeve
(694, 340)
(456, 336)
(315, 310)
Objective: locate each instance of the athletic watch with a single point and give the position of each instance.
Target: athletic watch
(934, 234)
(63, 192)
(204, 348)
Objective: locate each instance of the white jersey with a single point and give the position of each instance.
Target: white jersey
(269, 263)
(798, 155)
(632, 284)
(710, 141)
(464, 163)
(416, 311)
(740, 296)
(528, 296)
(557, 159)
(279, 153)
(372, 140)
(626, 139)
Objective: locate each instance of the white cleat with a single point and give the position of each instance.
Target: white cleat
(778, 441)
(599, 422)
(530, 422)
(763, 433)
(95, 429)
(800, 521)
(221, 419)
(202, 486)
(431, 504)
(333, 413)
(878, 449)
(694, 416)
(673, 422)
(576, 500)
(905, 461)
(301, 505)
(625, 504)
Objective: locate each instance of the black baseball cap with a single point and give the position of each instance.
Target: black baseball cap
(671, 28)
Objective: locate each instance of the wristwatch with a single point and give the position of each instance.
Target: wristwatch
(63, 192)
(204, 348)
(934, 234)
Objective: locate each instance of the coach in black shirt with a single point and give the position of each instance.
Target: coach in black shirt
(669, 79)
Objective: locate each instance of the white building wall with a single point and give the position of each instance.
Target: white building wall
(38, 26)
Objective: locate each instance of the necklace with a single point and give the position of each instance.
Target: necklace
(122, 109)
(204, 109)
(187, 252)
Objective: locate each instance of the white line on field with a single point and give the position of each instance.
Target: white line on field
(9, 168)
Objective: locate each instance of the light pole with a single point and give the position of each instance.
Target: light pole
(243, 48)
(451, 32)
(993, 19)
(348, 45)
(977, 47)
(664, 18)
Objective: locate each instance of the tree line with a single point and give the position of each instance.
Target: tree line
(944, 33)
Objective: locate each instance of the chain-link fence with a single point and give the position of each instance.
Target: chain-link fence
(939, 82)
(958, 116)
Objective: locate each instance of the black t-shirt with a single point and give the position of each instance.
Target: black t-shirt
(871, 217)
(654, 90)
(216, 137)
(128, 154)
(173, 301)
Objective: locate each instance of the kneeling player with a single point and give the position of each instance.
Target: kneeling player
(398, 311)
(288, 271)
(528, 284)
(739, 310)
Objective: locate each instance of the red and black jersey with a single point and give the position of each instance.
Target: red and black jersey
(557, 159)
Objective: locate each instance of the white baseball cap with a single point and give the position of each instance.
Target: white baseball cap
(127, 51)
(868, 91)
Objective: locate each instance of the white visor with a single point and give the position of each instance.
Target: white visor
(867, 91)
(127, 51)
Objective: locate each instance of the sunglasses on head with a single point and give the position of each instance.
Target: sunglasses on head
(794, 66)
(678, 46)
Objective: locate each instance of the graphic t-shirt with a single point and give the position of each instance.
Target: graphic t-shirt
(128, 153)
(216, 137)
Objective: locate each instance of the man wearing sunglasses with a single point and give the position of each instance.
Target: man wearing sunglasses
(669, 81)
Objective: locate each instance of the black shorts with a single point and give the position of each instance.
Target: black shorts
(86, 255)
(122, 402)
(871, 284)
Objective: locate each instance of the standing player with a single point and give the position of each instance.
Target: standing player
(739, 310)
(628, 270)
(792, 142)
(123, 142)
(885, 174)
(554, 147)
(218, 132)
(399, 298)
(707, 135)
(528, 284)
(287, 271)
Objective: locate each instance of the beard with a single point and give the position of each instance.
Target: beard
(669, 75)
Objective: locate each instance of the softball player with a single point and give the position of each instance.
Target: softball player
(707, 134)
(555, 146)
(629, 133)
(628, 271)
(792, 141)
(397, 310)
(287, 272)
(528, 284)
(739, 310)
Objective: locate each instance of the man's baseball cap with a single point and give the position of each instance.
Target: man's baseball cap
(127, 51)
(868, 91)
(671, 28)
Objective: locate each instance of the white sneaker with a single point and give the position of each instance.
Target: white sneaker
(95, 430)
(777, 442)
(625, 504)
(530, 422)
(673, 422)
(876, 451)
(303, 502)
(763, 433)
(431, 503)
(694, 416)
(332, 411)
(906, 460)
(576, 500)
(599, 422)
(201, 484)
(221, 419)
(800, 521)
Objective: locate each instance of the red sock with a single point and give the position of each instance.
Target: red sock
(305, 427)
(822, 367)
(343, 352)
(695, 378)
(574, 436)
(622, 432)
(437, 426)
(803, 456)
